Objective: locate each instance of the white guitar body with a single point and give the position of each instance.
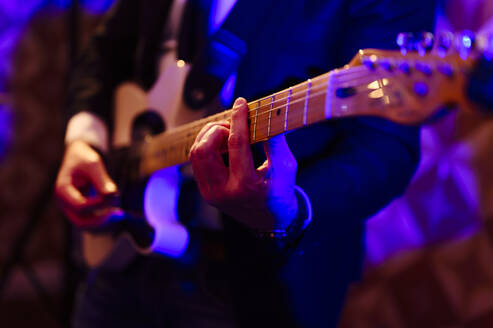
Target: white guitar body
(162, 190)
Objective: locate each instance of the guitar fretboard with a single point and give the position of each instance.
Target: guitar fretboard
(332, 95)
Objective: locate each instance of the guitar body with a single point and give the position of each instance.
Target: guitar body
(159, 200)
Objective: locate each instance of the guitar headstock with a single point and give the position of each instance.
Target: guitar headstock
(425, 77)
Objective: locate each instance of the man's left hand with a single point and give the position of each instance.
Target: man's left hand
(262, 198)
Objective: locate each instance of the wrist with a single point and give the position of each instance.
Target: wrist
(287, 212)
(290, 230)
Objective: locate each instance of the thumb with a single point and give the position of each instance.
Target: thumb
(100, 179)
(281, 160)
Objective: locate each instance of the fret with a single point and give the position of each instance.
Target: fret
(278, 121)
(328, 96)
(270, 115)
(296, 107)
(301, 105)
(262, 114)
(316, 101)
(286, 113)
(307, 97)
(254, 134)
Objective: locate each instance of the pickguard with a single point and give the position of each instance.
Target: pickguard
(162, 191)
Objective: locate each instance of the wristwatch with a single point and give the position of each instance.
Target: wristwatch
(287, 236)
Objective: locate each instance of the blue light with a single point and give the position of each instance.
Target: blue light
(23, 9)
(97, 6)
(227, 92)
(20, 10)
(160, 199)
(220, 11)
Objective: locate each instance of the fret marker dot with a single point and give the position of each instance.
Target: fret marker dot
(278, 112)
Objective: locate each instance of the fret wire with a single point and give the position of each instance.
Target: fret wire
(177, 133)
(328, 98)
(315, 80)
(341, 73)
(270, 115)
(306, 100)
(174, 160)
(336, 75)
(296, 101)
(255, 123)
(317, 88)
(261, 121)
(196, 126)
(321, 77)
(287, 109)
(194, 130)
(299, 114)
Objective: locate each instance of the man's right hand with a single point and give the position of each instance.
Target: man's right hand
(84, 189)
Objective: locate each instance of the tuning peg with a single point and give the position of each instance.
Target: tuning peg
(405, 41)
(445, 40)
(424, 43)
(464, 43)
(370, 62)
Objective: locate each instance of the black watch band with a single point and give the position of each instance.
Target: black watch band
(295, 229)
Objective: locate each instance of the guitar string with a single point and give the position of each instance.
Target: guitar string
(227, 113)
(339, 75)
(170, 141)
(173, 135)
(316, 79)
(357, 87)
(179, 132)
(382, 76)
(171, 138)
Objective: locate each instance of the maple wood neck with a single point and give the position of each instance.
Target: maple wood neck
(399, 89)
(324, 97)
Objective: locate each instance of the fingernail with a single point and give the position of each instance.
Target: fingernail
(110, 187)
(238, 102)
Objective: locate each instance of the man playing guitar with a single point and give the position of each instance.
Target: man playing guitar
(279, 270)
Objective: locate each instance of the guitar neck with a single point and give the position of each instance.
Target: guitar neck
(324, 97)
(398, 89)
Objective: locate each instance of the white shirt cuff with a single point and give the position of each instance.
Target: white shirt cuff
(89, 128)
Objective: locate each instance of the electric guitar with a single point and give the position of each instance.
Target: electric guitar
(400, 86)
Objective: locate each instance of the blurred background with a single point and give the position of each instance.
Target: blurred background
(429, 260)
